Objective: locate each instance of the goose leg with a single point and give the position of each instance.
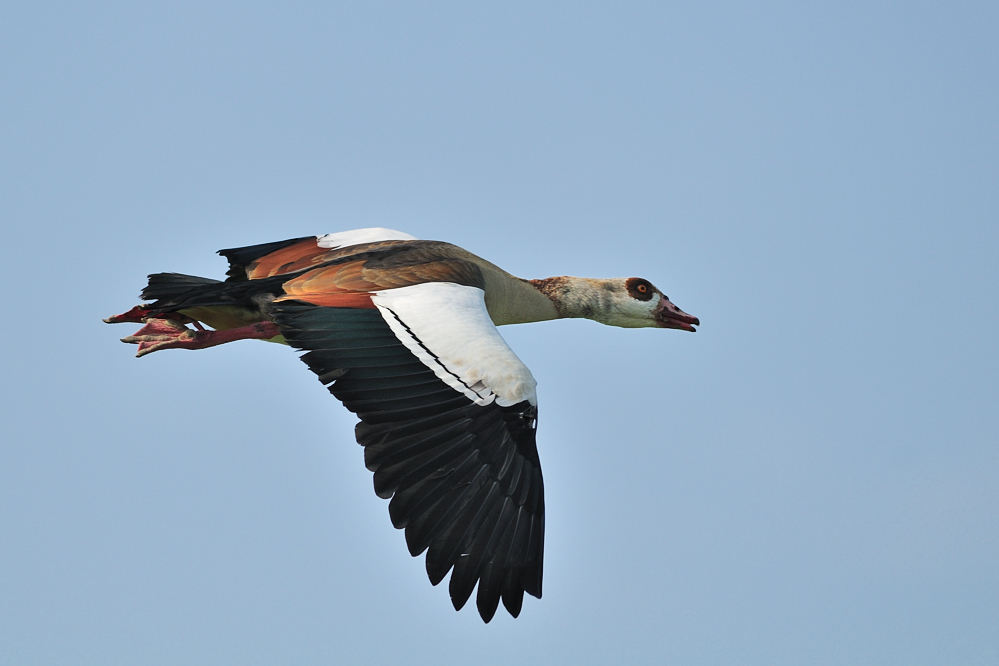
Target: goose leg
(160, 334)
(136, 315)
(139, 315)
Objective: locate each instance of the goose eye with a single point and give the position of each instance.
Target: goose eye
(639, 289)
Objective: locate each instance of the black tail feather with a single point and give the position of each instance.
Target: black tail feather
(171, 285)
(241, 257)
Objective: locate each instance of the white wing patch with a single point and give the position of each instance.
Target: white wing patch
(358, 236)
(447, 327)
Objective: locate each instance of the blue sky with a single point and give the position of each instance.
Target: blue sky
(811, 478)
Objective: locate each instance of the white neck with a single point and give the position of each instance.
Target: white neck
(513, 300)
(575, 297)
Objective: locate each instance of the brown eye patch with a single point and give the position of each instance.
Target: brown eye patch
(640, 289)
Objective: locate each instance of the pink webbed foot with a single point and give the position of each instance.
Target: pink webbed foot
(164, 334)
(160, 334)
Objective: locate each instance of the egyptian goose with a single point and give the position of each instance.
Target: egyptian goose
(403, 332)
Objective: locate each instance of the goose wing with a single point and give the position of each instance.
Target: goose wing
(448, 416)
(296, 254)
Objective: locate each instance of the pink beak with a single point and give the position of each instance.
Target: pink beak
(670, 316)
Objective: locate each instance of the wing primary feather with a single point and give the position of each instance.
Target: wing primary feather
(457, 539)
(466, 567)
(415, 456)
(513, 592)
(448, 404)
(423, 515)
(425, 527)
(436, 463)
(514, 476)
(464, 479)
(417, 499)
(494, 562)
(368, 433)
(332, 375)
(531, 578)
(440, 557)
(377, 455)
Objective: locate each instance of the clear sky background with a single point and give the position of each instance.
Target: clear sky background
(809, 479)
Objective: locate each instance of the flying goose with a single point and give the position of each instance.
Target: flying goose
(403, 332)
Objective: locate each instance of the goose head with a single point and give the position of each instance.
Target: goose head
(625, 302)
(637, 303)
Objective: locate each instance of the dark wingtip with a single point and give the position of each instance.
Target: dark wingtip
(513, 596)
(461, 586)
(487, 612)
(459, 600)
(436, 571)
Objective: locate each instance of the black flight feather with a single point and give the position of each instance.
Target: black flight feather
(464, 479)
